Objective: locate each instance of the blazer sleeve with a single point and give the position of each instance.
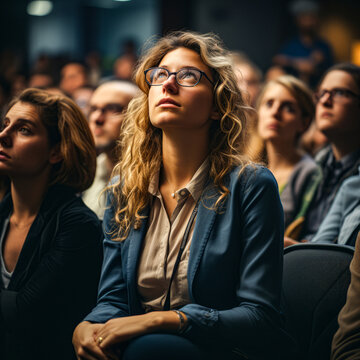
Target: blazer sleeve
(112, 295)
(346, 341)
(64, 281)
(254, 327)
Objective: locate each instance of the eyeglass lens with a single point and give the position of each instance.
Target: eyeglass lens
(185, 77)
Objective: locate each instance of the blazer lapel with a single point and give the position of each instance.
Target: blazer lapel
(203, 226)
(135, 240)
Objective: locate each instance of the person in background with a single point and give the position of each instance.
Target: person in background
(249, 79)
(82, 96)
(249, 76)
(306, 56)
(50, 241)
(342, 223)
(73, 76)
(337, 117)
(285, 110)
(41, 80)
(108, 105)
(191, 271)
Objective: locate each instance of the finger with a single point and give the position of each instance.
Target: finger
(110, 341)
(92, 352)
(112, 354)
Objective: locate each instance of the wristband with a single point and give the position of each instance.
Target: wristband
(182, 323)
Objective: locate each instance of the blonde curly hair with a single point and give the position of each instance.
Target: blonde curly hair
(140, 146)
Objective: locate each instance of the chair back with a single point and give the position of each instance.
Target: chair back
(315, 280)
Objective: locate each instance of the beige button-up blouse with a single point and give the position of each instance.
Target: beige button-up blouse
(162, 243)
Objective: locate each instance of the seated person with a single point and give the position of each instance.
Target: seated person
(337, 117)
(50, 241)
(306, 56)
(285, 110)
(191, 271)
(342, 223)
(107, 109)
(346, 341)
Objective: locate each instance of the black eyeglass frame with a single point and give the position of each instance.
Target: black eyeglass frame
(112, 108)
(175, 73)
(319, 95)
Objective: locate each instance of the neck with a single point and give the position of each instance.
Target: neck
(182, 156)
(111, 158)
(281, 155)
(344, 148)
(27, 196)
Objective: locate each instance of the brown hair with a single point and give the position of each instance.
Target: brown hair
(67, 128)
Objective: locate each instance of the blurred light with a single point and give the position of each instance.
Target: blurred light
(39, 8)
(355, 53)
(122, 0)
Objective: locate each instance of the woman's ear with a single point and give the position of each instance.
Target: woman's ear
(55, 154)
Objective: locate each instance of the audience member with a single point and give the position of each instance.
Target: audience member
(50, 241)
(181, 179)
(346, 341)
(285, 110)
(93, 63)
(342, 223)
(337, 117)
(41, 80)
(249, 76)
(82, 96)
(306, 56)
(73, 76)
(274, 72)
(124, 65)
(107, 108)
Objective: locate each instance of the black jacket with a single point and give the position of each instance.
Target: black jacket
(55, 280)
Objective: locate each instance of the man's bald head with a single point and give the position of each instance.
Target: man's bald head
(107, 107)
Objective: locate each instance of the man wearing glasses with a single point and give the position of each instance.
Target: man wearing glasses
(107, 110)
(338, 118)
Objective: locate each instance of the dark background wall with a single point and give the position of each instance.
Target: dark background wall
(257, 27)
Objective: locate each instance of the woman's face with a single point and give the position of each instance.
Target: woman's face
(172, 106)
(279, 115)
(24, 145)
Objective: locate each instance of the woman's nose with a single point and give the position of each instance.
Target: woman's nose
(5, 139)
(276, 111)
(171, 85)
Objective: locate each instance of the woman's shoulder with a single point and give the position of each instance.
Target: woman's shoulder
(251, 175)
(66, 206)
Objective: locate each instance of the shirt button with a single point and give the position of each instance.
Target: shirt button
(182, 193)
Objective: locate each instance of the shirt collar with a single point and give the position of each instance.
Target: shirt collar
(345, 162)
(194, 187)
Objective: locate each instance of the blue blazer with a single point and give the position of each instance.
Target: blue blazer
(234, 270)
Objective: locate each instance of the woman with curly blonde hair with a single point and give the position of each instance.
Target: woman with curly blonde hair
(193, 233)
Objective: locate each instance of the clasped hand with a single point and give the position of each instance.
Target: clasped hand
(103, 341)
